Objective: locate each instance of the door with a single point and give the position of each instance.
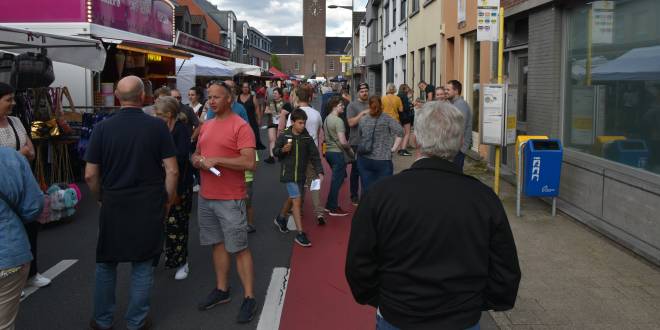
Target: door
(519, 78)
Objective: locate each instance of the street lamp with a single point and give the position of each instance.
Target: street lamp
(353, 47)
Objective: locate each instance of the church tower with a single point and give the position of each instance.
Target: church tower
(314, 12)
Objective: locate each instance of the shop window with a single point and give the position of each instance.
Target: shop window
(471, 85)
(612, 82)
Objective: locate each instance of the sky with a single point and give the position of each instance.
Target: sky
(284, 17)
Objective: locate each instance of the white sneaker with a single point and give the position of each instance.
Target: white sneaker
(182, 272)
(196, 188)
(38, 281)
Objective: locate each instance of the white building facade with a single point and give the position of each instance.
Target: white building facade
(395, 42)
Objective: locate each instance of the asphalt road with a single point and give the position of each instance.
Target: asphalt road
(68, 302)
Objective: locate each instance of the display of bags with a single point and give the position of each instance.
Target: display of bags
(33, 70)
(7, 69)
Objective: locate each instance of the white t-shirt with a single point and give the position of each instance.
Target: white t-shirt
(314, 122)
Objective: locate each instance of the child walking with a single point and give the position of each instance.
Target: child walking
(295, 148)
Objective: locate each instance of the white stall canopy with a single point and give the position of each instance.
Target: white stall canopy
(86, 53)
(637, 64)
(198, 66)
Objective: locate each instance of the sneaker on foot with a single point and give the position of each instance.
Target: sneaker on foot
(196, 188)
(338, 212)
(281, 224)
(247, 311)
(302, 240)
(182, 272)
(355, 201)
(216, 297)
(404, 152)
(95, 326)
(320, 220)
(38, 281)
(22, 294)
(251, 229)
(269, 160)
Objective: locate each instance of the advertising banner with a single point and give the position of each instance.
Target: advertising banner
(194, 44)
(153, 18)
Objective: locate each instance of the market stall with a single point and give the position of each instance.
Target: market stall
(195, 71)
(48, 112)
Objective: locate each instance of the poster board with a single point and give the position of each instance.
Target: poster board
(488, 24)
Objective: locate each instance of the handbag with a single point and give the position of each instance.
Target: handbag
(366, 146)
(33, 71)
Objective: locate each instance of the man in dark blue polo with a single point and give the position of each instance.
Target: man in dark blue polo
(132, 168)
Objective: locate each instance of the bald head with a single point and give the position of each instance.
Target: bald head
(130, 91)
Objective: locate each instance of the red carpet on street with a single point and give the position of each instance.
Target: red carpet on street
(318, 296)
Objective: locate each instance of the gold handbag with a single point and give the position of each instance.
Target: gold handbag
(44, 129)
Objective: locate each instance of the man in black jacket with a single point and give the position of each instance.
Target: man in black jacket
(443, 254)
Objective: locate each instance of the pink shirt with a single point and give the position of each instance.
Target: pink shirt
(224, 138)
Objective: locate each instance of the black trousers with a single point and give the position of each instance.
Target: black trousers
(32, 230)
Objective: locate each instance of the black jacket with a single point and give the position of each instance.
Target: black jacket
(294, 163)
(432, 248)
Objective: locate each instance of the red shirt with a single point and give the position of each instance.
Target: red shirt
(224, 138)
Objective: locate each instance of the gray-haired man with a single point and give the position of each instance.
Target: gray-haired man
(439, 257)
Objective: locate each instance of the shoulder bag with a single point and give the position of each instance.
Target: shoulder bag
(366, 146)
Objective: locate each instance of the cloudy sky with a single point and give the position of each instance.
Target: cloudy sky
(284, 17)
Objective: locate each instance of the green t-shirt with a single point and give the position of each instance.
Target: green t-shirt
(333, 126)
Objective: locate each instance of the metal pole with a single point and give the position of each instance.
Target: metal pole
(554, 206)
(500, 64)
(518, 178)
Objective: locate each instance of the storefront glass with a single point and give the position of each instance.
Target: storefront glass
(612, 87)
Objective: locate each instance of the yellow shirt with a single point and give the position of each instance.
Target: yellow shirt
(391, 105)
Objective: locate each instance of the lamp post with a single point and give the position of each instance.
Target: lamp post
(351, 8)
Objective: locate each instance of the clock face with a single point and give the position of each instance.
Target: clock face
(315, 8)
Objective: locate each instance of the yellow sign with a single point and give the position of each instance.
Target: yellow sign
(345, 59)
(154, 58)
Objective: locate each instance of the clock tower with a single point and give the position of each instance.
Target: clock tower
(314, 37)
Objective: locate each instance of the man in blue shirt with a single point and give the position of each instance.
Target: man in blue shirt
(236, 107)
(21, 201)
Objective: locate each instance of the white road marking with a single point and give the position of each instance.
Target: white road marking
(271, 313)
(51, 273)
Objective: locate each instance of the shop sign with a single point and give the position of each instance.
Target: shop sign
(154, 58)
(488, 20)
(602, 22)
(194, 44)
(363, 41)
(345, 59)
(152, 18)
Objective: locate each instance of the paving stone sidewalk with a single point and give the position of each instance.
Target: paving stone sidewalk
(572, 277)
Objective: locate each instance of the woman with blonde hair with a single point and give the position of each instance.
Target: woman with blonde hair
(380, 136)
(176, 225)
(392, 105)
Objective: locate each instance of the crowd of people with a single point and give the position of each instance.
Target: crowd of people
(144, 164)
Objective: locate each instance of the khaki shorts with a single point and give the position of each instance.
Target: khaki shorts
(223, 221)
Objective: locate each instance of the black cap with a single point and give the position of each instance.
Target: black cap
(363, 85)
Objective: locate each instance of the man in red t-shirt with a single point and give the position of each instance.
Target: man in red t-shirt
(225, 150)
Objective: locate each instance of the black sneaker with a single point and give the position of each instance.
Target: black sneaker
(404, 152)
(281, 224)
(320, 220)
(216, 297)
(338, 212)
(251, 229)
(248, 310)
(269, 160)
(355, 201)
(302, 240)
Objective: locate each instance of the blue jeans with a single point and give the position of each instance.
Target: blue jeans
(142, 279)
(373, 170)
(338, 164)
(355, 178)
(381, 324)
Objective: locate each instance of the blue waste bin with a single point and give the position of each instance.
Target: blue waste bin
(542, 168)
(630, 152)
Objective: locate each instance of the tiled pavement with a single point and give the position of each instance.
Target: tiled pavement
(572, 277)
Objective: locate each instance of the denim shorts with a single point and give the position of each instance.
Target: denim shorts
(294, 189)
